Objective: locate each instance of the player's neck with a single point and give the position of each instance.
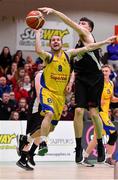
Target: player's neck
(58, 53)
(107, 80)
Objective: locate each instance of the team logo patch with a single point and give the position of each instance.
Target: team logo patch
(60, 68)
(108, 91)
(49, 100)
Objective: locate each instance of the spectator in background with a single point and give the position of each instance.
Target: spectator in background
(27, 83)
(112, 50)
(16, 59)
(66, 115)
(12, 96)
(12, 99)
(22, 109)
(71, 105)
(20, 92)
(5, 107)
(5, 59)
(12, 74)
(28, 70)
(14, 116)
(4, 87)
(1, 72)
(29, 61)
(20, 60)
(21, 74)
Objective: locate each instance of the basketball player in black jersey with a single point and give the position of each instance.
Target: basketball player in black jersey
(89, 83)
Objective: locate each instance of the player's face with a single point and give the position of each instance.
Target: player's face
(106, 71)
(56, 43)
(85, 25)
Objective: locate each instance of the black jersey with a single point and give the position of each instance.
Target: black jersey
(88, 62)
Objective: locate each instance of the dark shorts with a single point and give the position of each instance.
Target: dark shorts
(34, 119)
(34, 123)
(88, 90)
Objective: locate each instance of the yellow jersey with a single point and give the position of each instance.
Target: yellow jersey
(108, 126)
(56, 74)
(106, 95)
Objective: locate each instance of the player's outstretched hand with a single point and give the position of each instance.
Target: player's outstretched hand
(46, 10)
(111, 39)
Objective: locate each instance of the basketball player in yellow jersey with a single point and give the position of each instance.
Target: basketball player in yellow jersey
(54, 81)
(108, 126)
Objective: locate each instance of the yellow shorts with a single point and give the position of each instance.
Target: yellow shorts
(51, 102)
(108, 126)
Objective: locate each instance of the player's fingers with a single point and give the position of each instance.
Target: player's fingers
(43, 9)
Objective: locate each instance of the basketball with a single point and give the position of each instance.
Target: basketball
(35, 19)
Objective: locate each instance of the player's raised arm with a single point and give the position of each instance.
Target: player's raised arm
(92, 46)
(45, 56)
(68, 21)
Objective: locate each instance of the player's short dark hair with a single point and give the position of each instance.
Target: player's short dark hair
(91, 23)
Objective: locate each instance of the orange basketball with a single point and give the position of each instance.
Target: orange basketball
(35, 19)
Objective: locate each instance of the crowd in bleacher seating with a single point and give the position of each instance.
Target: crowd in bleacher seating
(17, 83)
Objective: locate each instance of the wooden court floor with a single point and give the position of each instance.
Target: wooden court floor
(56, 170)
